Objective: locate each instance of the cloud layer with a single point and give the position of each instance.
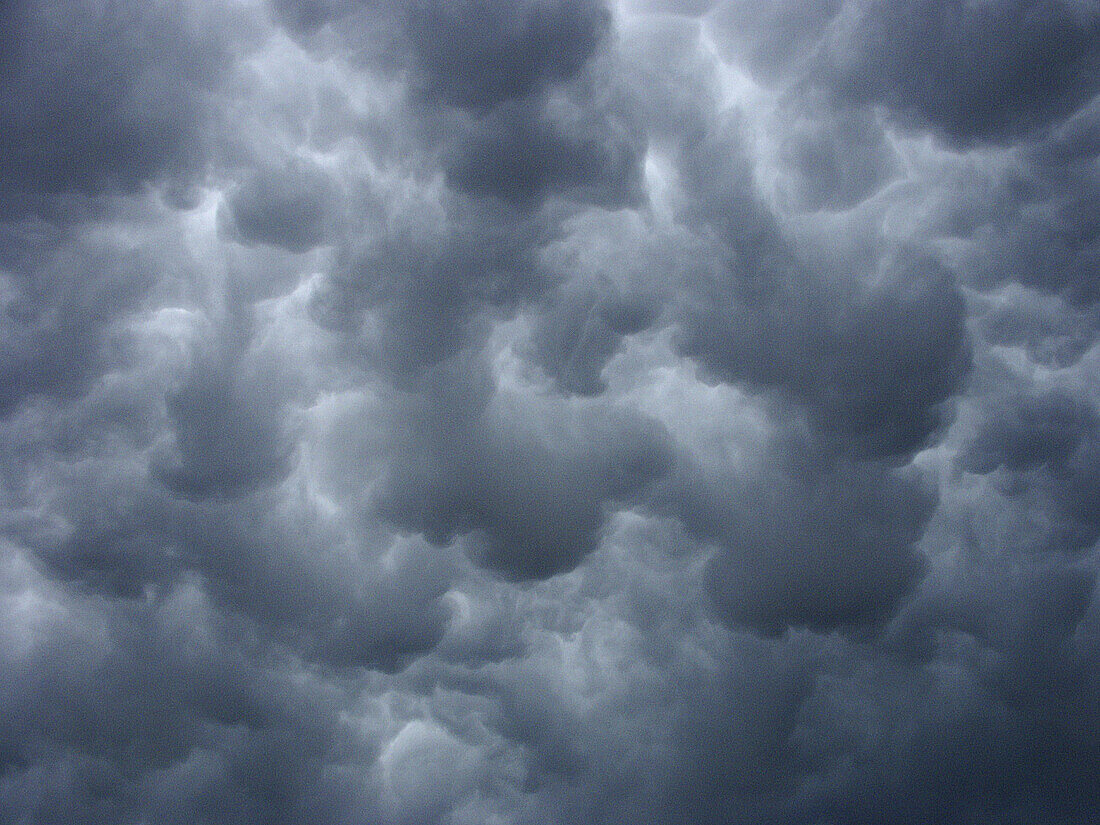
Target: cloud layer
(552, 411)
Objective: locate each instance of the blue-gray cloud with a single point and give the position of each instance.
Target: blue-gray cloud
(549, 411)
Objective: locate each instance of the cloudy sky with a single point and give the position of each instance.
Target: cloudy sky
(516, 412)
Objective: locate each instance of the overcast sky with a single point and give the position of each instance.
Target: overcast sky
(516, 412)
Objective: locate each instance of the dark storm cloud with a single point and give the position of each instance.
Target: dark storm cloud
(553, 411)
(473, 54)
(408, 299)
(876, 363)
(814, 543)
(1041, 450)
(833, 162)
(87, 684)
(226, 436)
(1037, 225)
(772, 39)
(991, 71)
(497, 67)
(529, 481)
(62, 288)
(1000, 69)
(521, 156)
(480, 53)
(118, 93)
(1051, 332)
(581, 329)
(282, 207)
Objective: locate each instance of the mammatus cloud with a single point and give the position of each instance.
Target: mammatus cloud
(549, 411)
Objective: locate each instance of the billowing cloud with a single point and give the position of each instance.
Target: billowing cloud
(556, 411)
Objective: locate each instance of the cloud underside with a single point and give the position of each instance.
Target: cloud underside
(549, 411)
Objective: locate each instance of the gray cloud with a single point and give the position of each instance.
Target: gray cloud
(281, 207)
(1002, 69)
(522, 156)
(481, 53)
(121, 92)
(809, 544)
(528, 482)
(543, 412)
(972, 72)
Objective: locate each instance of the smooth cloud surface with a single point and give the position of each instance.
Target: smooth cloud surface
(549, 411)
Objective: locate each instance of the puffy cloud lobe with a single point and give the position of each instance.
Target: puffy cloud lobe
(424, 772)
(1051, 332)
(480, 53)
(272, 557)
(1043, 445)
(775, 39)
(511, 124)
(874, 363)
(62, 289)
(337, 597)
(805, 539)
(473, 54)
(121, 91)
(580, 331)
(1037, 227)
(832, 161)
(1001, 69)
(282, 207)
(522, 156)
(228, 436)
(528, 481)
(822, 552)
(207, 484)
(73, 751)
(973, 72)
(309, 15)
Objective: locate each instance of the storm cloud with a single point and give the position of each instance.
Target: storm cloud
(552, 411)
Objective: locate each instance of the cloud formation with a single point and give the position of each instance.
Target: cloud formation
(556, 411)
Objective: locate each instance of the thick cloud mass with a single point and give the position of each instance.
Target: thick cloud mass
(555, 411)
(478, 53)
